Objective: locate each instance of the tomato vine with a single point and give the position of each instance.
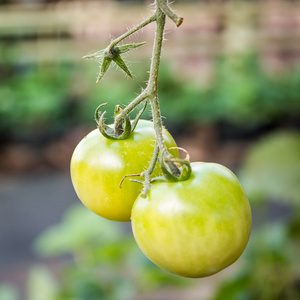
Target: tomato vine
(192, 228)
(122, 126)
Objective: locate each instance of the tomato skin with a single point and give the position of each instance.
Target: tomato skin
(99, 164)
(194, 228)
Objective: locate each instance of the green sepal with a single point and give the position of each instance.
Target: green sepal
(104, 67)
(185, 165)
(128, 47)
(120, 62)
(98, 112)
(123, 127)
(159, 179)
(112, 133)
(97, 56)
(105, 57)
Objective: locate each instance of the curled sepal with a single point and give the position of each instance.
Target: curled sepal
(138, 116)
(159, 179)
(98, 112)
(183, 165)
(120, 132)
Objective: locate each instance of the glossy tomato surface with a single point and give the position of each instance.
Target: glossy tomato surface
(197, 227)
(99, 164)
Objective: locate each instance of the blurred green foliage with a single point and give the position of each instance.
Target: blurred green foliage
(103, 262)
(269, 269)
(34, 99)
(8, 292)
(241, 93)
(54, 97)
(272, 168)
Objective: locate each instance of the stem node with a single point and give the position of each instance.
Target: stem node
(163, 5)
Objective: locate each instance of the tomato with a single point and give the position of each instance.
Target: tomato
(197, 227)
(98, 165)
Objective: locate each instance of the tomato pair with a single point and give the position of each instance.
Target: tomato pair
(192, 228)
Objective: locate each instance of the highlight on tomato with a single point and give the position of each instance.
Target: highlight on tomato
(197, 227)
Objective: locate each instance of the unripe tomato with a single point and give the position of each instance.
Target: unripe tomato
(98, 165)
(197, 227)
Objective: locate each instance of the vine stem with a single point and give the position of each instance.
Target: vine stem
(153, 93)
(131, 31)
(152, 83)
(147, 174)
(162, 9)
(150, 92)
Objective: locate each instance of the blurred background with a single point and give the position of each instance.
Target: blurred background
(229, 88)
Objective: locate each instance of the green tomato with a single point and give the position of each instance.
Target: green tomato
(98, 165)
(194, 228)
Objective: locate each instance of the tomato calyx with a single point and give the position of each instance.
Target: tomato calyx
(121, 131)
(123, 127)
(112, 54)
(173, 169)
(167, 163)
